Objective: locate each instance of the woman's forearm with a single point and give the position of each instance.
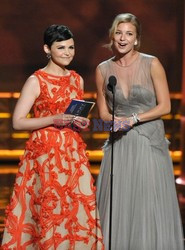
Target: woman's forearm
(154, 113)
(32, 123)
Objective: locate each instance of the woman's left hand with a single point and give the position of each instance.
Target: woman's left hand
(81, 122)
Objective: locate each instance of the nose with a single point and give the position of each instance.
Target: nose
(67, 51)
(122, 37)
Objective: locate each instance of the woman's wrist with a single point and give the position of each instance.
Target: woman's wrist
(135, 118)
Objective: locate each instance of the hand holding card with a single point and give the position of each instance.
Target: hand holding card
(79, 108)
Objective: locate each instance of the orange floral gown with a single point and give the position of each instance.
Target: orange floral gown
(53, 203)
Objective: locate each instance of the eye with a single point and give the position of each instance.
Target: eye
(117, 32)
(61, 47)
(130, 33)
(72, 47)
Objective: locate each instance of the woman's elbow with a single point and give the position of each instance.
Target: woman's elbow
(16, 124)
(167, 109)
(105, 116)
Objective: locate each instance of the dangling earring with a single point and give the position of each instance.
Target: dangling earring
(48, 55)
(135, 42)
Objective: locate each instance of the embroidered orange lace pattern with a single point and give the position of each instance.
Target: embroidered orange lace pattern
(53, 203)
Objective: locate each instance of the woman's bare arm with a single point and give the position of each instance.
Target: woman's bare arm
(29, 93)
(163, 106)
(101, 102)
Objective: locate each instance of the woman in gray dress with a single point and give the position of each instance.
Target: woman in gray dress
(145, 211)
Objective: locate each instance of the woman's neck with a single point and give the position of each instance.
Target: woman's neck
(126, 59)
(56, 70)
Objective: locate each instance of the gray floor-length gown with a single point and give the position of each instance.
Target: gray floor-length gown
(145, 207)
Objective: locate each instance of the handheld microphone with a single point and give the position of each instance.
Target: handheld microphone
(112, 83)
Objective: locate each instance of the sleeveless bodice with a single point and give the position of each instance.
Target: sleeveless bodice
(56, 92)
(134, 93)
(134, 90)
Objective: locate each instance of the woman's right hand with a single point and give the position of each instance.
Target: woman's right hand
(63, 119)
(123, 123)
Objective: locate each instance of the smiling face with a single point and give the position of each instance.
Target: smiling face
(124, 38)
(61, 52)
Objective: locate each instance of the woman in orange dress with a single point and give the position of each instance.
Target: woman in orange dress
(53, 203)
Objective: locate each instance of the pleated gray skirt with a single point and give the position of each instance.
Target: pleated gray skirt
(145, 213)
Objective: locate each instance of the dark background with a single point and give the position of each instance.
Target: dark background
(22, 23)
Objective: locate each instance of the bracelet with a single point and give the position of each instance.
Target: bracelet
(136, 119)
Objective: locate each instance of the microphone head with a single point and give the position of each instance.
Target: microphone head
(112, 80)
(112, 83)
